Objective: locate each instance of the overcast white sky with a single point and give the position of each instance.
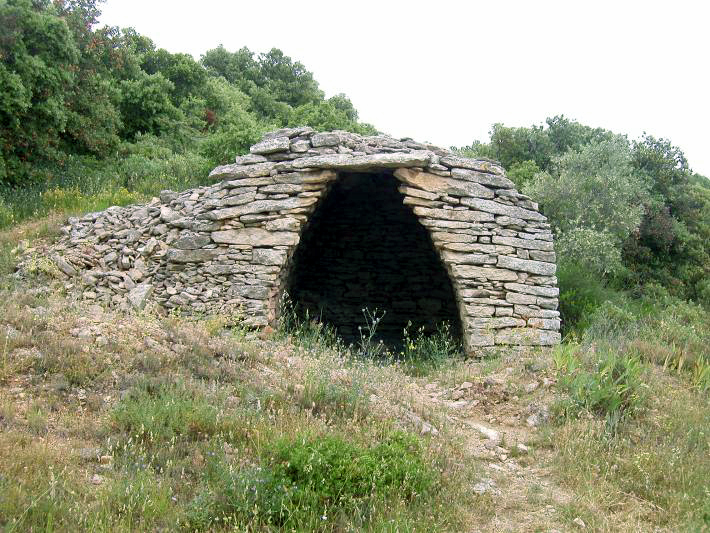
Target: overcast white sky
(445, 71)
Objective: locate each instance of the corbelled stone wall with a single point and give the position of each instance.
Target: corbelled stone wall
(232, 246)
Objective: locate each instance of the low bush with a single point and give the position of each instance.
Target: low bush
(307, 480)
(606, 383)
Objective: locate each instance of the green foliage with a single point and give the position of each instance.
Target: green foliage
(38, 55)
(581, 293)
(593, 201)
(592, 185)
(334, 114)
(157, 413)
(308, 479)
(593, 188)
(671, 246)
(232, 136)
(611, 386)
(146, 105)
(523, 172)
(70, 89)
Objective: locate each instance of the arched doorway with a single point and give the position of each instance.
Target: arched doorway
(364, 249)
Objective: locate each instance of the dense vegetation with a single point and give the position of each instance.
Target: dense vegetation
(631, 219)
(93, 116)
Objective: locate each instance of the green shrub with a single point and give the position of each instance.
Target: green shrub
(7, 215)
(610, 387)
(304, 330)
(581, 292)
(139, 502)
(307, 480)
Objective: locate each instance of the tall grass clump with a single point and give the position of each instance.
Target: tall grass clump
(305, 330)
(600, 382)
(424, 352)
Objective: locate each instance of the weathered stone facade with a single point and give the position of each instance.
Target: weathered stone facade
(421, 233)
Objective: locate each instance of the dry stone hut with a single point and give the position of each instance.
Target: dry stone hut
(340, 222)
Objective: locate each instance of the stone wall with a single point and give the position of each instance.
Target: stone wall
(230, 247)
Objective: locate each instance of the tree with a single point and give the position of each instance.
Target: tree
(36, 75)
(593, 191)
(187, 76)
(672, 246)
(146, 105)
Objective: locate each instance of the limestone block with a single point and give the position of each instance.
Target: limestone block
(190, 256)
(480, 165)
(411, 200)
(283, 224)
(468, 259)
(138, 296)
(325, 139)
(168, 215)
(266, 256)
(232, 200)
(260, 206)
(447, 237)
(434, 183)
(247, 183)
(547, 292)
(419, 193)
(480, 310)
(468, 271)
(548, 303)
(537, 255)
(192, 241)
(528, 337)
(249, 159)
(544, 323)
(526, 311)
(516, 298)
(526, 265)
(233, 171)
(450, 224)
(528, 244)
(300, 146)
(255, 237)
(495, 323)
(270, 146)
(476, 338)
(453, 214)
(491, 206)
(364, 162)
(285, 188)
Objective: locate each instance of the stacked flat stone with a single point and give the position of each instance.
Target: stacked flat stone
(227, 247)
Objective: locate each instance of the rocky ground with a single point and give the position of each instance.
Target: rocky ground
(506, 459)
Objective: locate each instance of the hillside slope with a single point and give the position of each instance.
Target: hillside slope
(152, 422)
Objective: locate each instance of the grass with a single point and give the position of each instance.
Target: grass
(631, 435)
(83, 184)
(185, 429)
(193, 423)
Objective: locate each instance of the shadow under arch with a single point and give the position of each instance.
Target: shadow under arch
(364, 249)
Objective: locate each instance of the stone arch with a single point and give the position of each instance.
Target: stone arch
(229, 246)
(363, 247)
